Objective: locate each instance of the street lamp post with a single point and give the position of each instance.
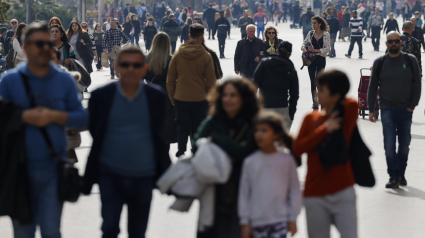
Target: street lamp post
(28, 2)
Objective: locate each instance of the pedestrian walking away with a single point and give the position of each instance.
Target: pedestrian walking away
(417, 32)
(356, 24)
(230, 114)
(409, 44)
(305, 22)
(296, 13)
(345, 24)
(397, 99)
(54, 113)
(277, 80)
(173, 31)
(248, 53)
(269, 195)
(328, 203)
(334, 27)
(243, 22)
(222, 27)
(185, 31)
(375, 23)
(190, 78)
(209, 17)
(318, 41)
(113, 38)
(128, 152)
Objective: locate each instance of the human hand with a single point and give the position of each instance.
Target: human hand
(304, 50)
(257, 59)
(67, 61)
(145, 42)
(292, 227)
(311, 49)
(38, 117)
(409, 109)
(372, 117)
(261, 52)
(237, 72)
(246, 231)
(246, 23)
(104, 51)
(95, 38)
(82, 42)
(333, 123)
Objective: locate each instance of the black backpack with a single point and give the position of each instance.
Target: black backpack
(382, 60)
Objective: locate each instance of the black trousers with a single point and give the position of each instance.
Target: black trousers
(376, 35)
(173, 46)
(221, 42)
(148, 45)
(249, 71)
(313, 69)
(210, 26)
(359, 43)
(189, 116)
(99, 50)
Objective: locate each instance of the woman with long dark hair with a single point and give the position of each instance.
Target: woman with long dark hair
(137, 29)
(98, 41)
(317, 41)
(230, 126)
(149, 33)
(81, 42)
(128, 29)
(61, 42)
(185, 30)
(17, 44)
(183, 16)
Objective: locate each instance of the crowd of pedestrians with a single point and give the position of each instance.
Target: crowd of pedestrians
(173, 95)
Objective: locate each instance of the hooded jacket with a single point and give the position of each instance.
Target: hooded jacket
(277, 79)
(305, 21)
(191, 73)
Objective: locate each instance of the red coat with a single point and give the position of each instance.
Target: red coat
(340, 17)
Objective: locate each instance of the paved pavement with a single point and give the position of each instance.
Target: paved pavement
(381, 212)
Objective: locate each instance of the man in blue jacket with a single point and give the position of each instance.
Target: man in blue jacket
(129, 150)
(58, 107)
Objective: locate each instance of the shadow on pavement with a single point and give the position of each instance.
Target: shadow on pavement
(408, 192)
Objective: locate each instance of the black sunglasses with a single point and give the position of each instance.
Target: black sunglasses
(14, 22)
(393, 42)
(271, 32)
(126, 65)
(84, 27)
(40, 43)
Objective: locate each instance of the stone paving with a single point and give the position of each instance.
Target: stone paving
(382, 213)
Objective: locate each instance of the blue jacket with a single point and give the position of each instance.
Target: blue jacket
(333, 24)
(99, 107)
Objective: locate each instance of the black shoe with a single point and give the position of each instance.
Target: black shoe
(348, 56)
(360, 57)
(331, 56)
(222, 56)
(85, 90)
(403, 181)
(178, 154)
(213, 38)
(393, 183)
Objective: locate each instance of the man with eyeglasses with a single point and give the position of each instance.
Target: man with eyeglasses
(397, 78)
(112, 38)
(128, 152)
(57, 108)
(334, 27)
(9, 36)
(173, 30)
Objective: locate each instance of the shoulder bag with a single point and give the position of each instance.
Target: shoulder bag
(69, 181)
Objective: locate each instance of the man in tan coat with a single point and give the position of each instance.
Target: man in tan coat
(190, 78)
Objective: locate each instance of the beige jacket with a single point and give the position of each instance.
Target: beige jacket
(191, 73)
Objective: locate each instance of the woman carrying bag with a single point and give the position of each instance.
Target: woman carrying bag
(80, 41)
(98, 41)
(61, 42)
(17, 43)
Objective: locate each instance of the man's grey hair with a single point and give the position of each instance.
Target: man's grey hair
(407, 25)
(250, 25)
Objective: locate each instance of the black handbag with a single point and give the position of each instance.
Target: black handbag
(69, 180)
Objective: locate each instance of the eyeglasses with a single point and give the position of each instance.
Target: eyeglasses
(393, 42)
(126, 65)
(40, 43)
(55, 32)
(271, 32)
(84, 27)
(14, 22)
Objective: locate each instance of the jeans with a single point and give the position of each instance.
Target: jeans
(111, 66)
(333, 39)
(353, 40)
(115, 191)
(99, 50)
(133, 38)
(396, 122)
(260, 29)
(189, 116)
(45, 205)
(173, 46)
(305, 33)
(3, 65)
(221, 42)
(313, 69)
(210, 27)
(376, 35)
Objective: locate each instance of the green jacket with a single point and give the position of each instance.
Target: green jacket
(172, 32)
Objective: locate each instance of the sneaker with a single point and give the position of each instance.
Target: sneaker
(223, 56)
(360, 57)
(348, 56)
(85, 90)
(403, 181)
(98, 69)
(331, 56)
(178, 154)
(112, 76)
(393, 183)
(213, 38)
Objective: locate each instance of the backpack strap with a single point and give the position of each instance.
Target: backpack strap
(382, 59)
(380, 64)
(409, 61)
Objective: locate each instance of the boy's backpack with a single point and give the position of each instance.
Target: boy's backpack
(10, 59)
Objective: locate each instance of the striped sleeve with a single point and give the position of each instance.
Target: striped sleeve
(356, 27)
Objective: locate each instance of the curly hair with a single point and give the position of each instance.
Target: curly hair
(323, 24)
(267, 30)
(251, 105)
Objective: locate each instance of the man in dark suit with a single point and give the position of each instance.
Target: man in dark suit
(417, 32)
(129, 151)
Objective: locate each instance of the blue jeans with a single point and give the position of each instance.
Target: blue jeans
(396, 122)
(115, 191)
(111, 66)
(3, 65)
(45, 204)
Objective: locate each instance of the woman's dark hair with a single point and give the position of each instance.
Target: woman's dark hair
(57, 53)
(64, 37)
(18, 33)
(70, 32)
(55, 19)
(248, 92)
(335, 80)
(189, 20)
(323, 24)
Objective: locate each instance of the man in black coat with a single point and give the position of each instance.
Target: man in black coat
(277, 79)
(417, 32)
(249, 52)
(129, 151)
(209, 17)
(222, 27)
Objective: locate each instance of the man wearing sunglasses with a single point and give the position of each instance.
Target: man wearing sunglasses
(398, 78)
(57, 108)
(9, 36)
(128, 152)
